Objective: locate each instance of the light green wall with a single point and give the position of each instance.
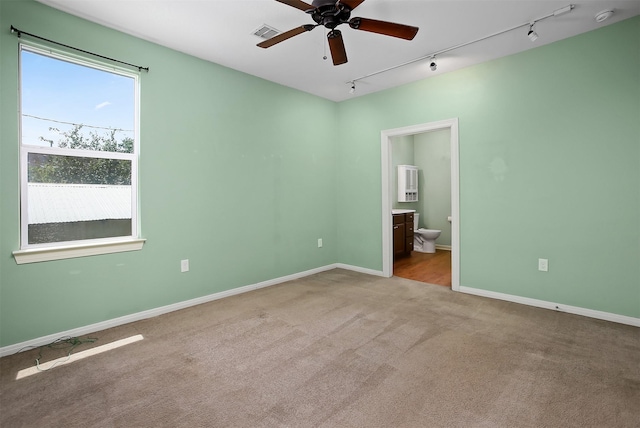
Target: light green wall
(549, 168)
(433, 157)
(240, 190)
(550, 161)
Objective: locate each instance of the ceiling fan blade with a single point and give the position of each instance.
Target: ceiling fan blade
(352, 4)
(336, 46)
(297, 4)
(286, 35)
(392, 29)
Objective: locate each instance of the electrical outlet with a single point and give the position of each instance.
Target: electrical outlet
(184, 265)
(543, 265)
(320, 243)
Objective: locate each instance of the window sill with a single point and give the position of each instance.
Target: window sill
(46, 254)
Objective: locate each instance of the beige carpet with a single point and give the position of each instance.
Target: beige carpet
(341, 349)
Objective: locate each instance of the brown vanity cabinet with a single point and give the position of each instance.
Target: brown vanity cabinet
(402, 234)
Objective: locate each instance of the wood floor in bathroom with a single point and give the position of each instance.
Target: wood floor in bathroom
(432, 268)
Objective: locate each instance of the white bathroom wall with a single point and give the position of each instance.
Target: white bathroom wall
(402, 153)
(432, 155)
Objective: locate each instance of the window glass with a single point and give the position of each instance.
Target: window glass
(78, 150)
(73, 104)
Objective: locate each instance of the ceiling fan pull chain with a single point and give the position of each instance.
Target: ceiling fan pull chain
(324, 44)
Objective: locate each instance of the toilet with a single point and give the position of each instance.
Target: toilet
(424, 240)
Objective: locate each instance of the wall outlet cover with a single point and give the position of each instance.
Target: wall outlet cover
(543, 265)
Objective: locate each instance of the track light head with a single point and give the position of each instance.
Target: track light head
(533, 36)
(353, 88)
(433, 66)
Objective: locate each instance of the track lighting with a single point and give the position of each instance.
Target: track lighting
(533, 36)
(353, 88)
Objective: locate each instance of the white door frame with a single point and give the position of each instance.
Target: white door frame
(387, 233)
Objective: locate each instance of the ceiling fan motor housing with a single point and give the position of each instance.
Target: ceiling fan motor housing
(330, 13)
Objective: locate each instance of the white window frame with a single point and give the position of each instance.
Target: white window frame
(30, 253)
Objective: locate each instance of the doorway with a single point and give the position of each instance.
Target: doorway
(387, 137)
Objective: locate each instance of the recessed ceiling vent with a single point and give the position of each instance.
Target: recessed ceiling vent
(265, 32)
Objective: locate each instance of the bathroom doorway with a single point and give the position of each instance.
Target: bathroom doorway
(422, 266)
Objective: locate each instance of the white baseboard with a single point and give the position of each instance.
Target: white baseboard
(443, 247)
(92, 328)
(591, 313)
(358, 269)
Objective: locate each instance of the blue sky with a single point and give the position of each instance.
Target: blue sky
(67, 92)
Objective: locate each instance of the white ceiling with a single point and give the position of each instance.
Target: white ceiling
(221, 31)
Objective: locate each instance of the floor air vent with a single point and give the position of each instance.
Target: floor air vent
(265, 32)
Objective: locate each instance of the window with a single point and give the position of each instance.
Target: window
(78, 154)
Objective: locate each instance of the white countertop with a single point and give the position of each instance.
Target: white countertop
(402, 211)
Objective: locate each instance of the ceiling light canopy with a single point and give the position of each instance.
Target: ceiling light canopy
(604, 15)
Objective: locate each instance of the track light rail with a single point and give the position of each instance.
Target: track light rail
(556, 12)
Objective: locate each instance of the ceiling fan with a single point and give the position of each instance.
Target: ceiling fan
(330, 14)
